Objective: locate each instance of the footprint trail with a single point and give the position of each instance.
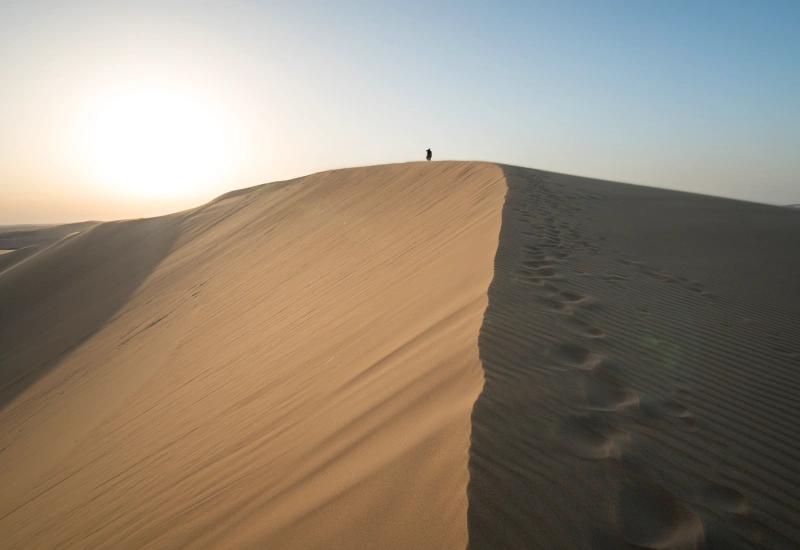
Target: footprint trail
(632, 398)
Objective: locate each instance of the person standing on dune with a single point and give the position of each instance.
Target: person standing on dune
(429, 155)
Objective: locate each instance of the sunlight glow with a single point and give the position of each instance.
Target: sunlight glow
(156, 141)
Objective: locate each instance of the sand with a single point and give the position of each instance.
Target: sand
(642, 358)
(290, 366)
(422, 355)
(21, 236)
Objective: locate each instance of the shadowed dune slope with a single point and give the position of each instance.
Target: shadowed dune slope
(53, 297)
(641, 350)
(14, 237)
(18, 243)
(290, 366)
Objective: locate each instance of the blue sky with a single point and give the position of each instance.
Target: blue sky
(699, 96)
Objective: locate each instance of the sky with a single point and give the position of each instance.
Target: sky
(112, 110)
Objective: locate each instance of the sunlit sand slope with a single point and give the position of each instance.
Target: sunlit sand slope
(290, 366)
(642, 358)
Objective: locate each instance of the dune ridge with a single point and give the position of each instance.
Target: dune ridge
(289, 366)
(422, 355)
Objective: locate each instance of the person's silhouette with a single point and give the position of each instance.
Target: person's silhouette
(429, 155)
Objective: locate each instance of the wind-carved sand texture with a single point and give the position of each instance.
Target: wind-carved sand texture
(296, 365)
(290, 366)
(641, 350)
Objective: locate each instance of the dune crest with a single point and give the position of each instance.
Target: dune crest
(290, 366)
(423, 355)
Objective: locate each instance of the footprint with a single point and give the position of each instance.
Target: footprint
(582, 328)
(588, 437)
(661, 277)
(605, 394)
(543, 289)
(570, 355)
(571, 298)
(665, 409)
(525, 278)
(536, 264)
(650, 516)
(548, 304)
(629, 262)
(544, 272)
(723, 498)
(542, 255)
(547, 289)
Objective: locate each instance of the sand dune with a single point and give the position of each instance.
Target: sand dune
(289, 366)
(301, 365)
(24, 227)
(20, 242)
(21, 236)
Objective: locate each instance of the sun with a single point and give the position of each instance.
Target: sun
(156, 141)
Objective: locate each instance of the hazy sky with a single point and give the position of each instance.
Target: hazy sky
(126, 109)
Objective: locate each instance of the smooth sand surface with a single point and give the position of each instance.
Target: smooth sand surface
(290, 366)
(302, 364)
(642, 357)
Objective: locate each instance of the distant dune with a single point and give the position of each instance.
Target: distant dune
(421, 355)
(20, 236)
(24, 227)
